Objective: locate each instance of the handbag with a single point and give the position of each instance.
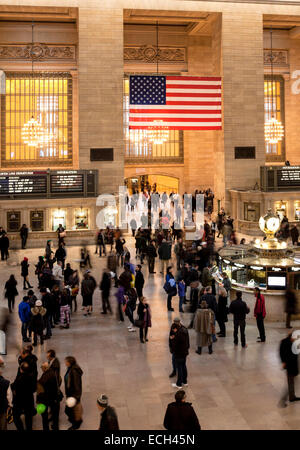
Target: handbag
(167, 287)
(138, 323)
(62, 234)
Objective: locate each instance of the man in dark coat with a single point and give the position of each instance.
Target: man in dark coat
(48, 394)
(180, 415)
(24, 235)
(5, 399)
(152, 254)
(105, 286)
(73, 388)
(294, 235)
(239, 309)
(139, 281)
(109, 418)
(180, 348)
(27, 356)
(164, 253)
(4, 246)
(289, 360)
(23, 402)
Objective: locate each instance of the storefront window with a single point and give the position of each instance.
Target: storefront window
(81, 219)
(58, 217)
(297, 210)
(13, 221)
(252, 211)
(281, 209)
(37, 220)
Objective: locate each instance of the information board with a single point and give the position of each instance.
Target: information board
(66, 181)
(20, 183)
(288, 176)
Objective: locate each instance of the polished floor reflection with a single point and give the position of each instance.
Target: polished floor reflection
(233, 388)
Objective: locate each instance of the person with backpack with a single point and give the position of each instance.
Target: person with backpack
(37, 323)
(25, 316)
(170, 288)
(181, 293)
(139, 281)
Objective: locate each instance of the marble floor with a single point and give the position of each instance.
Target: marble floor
(233, 388)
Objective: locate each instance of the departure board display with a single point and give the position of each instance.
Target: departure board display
(23, 183)
(49, 184)
(66, 181)
(289, 175)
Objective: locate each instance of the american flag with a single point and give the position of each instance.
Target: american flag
(181, 103)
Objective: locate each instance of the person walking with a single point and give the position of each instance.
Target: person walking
(37, 323)
(73, 282)
(152, 254)
(139, 281)
(24, 235)
(171, 347)
(109, 418)
(164, 252)
(222, 311)
(289, 360)
(54, 364)
(181, 293)
(5, 399)
(48, 394)
(25, 317)
(105, 286)
(239, 309)
(48, 250)
(181, 347)
(101, 243)
(112, 265)
(73, 389)
(11, 292)
(23, 402)
(204, 327)
(144, 317)
(260, 314)
(180, 416)
(88, 286)
(290, 306)
(170, 288)
(25, 273)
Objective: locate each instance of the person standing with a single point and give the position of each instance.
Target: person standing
(289, 361)
(239, 309)
(109, 418)
(4, 246)
(139, 281)
(49, 304)
(164, 252)
(88, 286)
(222, 311)
(181, 347)
(24, 235)
(25, 273)
(204, 327)
(101, 243)
(61, 234)
(5, 399)
(48, 394)
(171, 342)
(11, 292)
(60, 255)
(57, 273)
(37, 323)
(260, 314)
(73, 388)
(23, 402)
(105, 286)
(48, 250)
(112, 265)
(25, 316)
(226, 282)
(144, 315)
(290, 306)
(54, 364)
(181, 293)
(170, 288)
(180, 415)
(152, 254)
(73, 282)
(294, 235)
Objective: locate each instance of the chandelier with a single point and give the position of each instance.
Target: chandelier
(158, 133)
(274, 130)
(32, 131)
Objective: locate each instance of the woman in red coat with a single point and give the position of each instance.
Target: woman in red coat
(260, 314)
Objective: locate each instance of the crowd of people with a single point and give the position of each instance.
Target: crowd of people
(185, 272)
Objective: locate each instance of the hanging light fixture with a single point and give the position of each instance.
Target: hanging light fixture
(32, 132)
(274, 130)
(158, 133)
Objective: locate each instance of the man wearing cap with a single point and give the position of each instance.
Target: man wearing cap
(37, 324)
(180, 346)
(109, 418)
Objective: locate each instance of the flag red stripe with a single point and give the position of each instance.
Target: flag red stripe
(192, 102)
(191, 94)
(193, 86)
(136, 127)
(174, 119)
(193, 78)
(175, 111)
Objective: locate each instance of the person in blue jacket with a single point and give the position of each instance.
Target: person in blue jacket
(25, 316)
(181, 293)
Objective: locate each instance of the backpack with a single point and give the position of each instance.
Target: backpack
(132, 299)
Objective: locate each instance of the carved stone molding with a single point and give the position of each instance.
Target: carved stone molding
(37, 52)
(150, 54)
(280, 57)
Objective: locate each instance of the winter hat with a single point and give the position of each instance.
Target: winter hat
(25, 259)
(102, 400)
(38, 303)
(176, 320)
